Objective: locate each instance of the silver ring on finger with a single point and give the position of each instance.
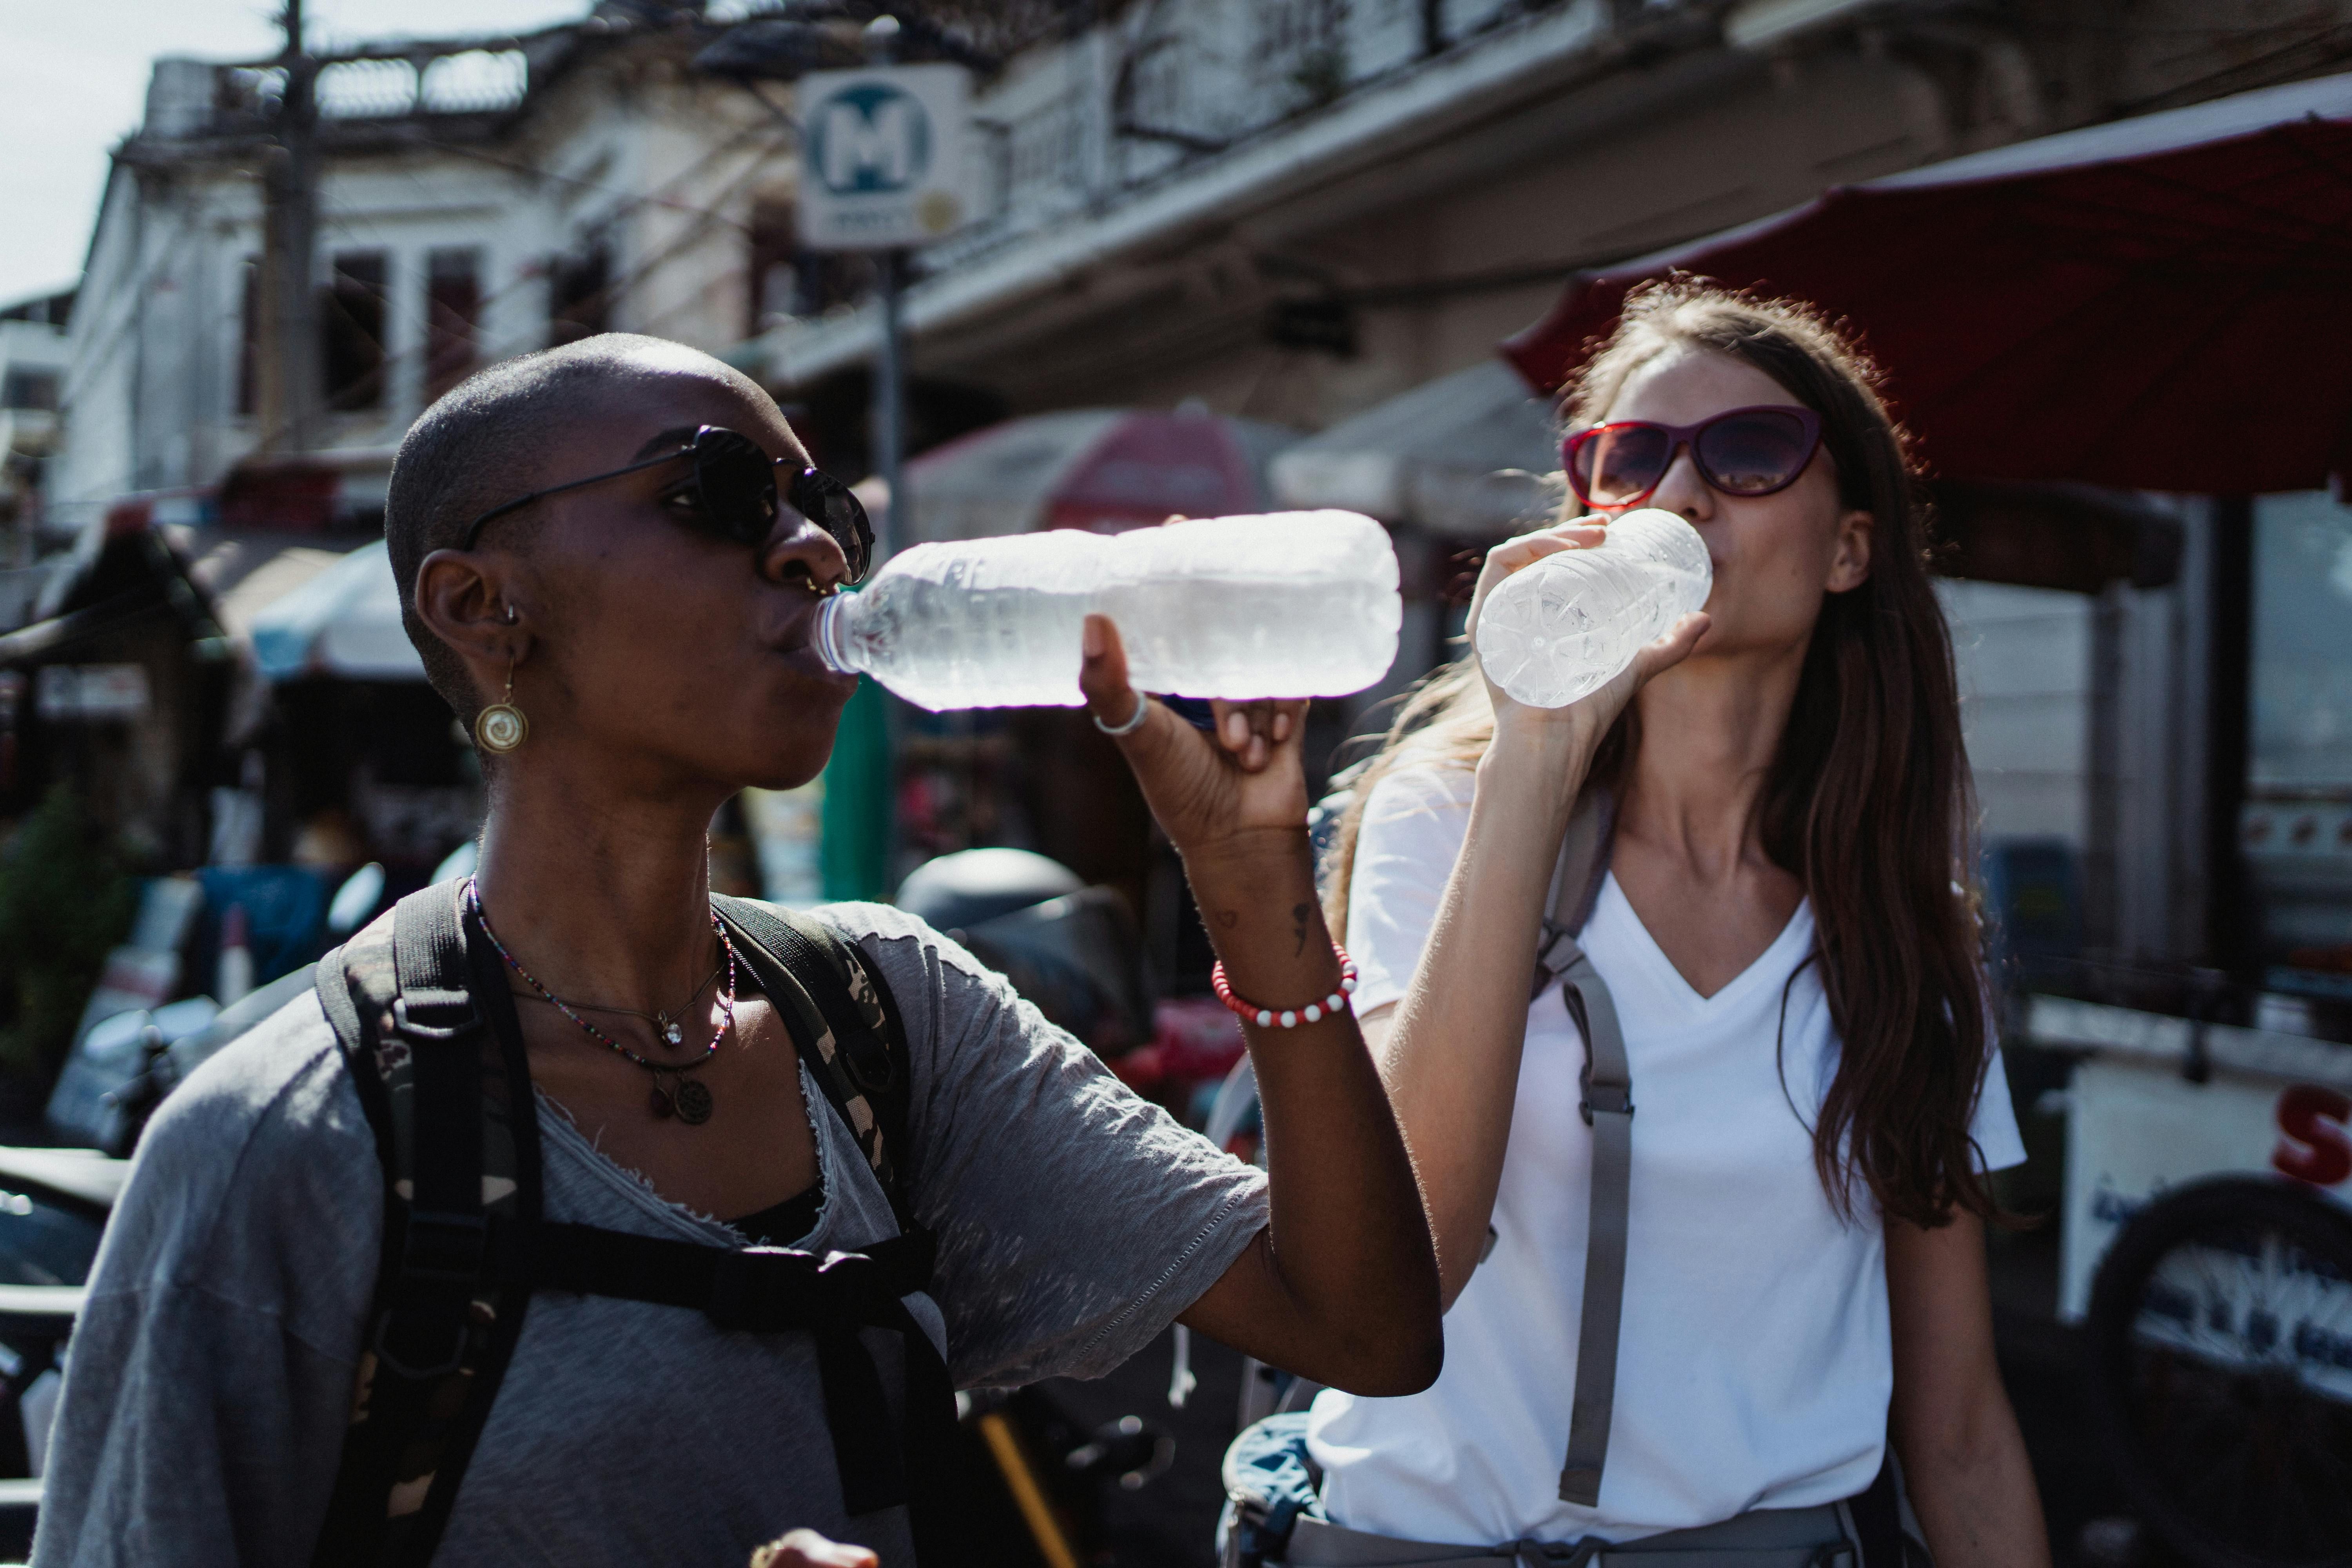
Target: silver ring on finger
(1129, 726)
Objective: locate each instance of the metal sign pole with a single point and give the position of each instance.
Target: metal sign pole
(882, 171)
(890, 406)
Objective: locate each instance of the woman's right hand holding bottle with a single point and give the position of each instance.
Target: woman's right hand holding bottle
(1564, 739)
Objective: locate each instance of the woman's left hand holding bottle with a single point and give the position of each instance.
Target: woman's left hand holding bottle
(1232, 799)
(1214, 793)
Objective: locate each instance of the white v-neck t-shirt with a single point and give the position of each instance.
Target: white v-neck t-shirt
(1754, 1362)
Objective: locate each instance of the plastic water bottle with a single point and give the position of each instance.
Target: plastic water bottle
(1297, 604)
(1563, 628)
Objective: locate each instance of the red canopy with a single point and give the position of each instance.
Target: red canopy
(2160, 303)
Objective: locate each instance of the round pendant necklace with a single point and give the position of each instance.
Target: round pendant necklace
(674, 1094)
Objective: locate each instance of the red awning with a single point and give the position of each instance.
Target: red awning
(2160, 303)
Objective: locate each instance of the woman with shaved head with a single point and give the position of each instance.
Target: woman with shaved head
(580, 1217)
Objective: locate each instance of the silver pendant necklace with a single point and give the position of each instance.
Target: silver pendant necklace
(674, 1093)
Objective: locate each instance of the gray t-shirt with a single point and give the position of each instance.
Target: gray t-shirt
(211, 1374)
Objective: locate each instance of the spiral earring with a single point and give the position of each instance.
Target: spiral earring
(500, 727)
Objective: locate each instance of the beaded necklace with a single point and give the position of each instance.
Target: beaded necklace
(674, 1093)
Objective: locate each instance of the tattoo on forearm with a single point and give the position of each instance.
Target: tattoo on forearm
(1299, 913)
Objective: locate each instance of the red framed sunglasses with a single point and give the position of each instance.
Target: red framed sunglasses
(1739, 452)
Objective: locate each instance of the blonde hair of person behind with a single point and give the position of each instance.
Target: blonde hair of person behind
(1867, 802)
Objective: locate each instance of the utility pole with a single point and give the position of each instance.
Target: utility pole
(890, 361)
(291, 373)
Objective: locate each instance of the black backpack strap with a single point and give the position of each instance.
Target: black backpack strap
(846, 1023)
(770, 1289)
(847, 1026)
(465, 1245)
(449, 1103)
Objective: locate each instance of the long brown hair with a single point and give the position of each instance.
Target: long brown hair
(1867, 802)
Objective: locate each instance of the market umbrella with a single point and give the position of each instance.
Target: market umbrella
(1469, 455)
(345, 621)
(2160, 303)
(1102, 468)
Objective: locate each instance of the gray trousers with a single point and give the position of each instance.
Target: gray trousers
(1819, 1537)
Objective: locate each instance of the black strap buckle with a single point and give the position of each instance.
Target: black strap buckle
(429, 1014)
(763, 1289)
(443, 1248)
(421, 1342)
(868, 1061)
(423, 1334)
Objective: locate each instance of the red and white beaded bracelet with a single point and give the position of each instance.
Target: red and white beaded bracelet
(1288, 1017)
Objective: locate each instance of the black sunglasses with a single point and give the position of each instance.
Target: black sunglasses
(735, 493)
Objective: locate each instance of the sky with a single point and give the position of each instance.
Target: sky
(73, 82)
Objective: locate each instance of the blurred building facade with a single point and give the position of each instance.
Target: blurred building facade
(1318, 215)
(33, 353)
(477, 198)
(1325, 216)
(1295, 209)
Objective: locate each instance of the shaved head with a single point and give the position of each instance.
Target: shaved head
(485, 442)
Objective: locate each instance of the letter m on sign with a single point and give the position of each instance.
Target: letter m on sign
(872, 137)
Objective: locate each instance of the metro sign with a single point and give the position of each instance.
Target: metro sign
(873, 138)
(883, 156)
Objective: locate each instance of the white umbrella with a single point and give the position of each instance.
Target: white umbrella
(345, 621)
(1468, 456)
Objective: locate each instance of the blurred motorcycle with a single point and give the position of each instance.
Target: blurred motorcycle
(1075, 953)
(1072, 950)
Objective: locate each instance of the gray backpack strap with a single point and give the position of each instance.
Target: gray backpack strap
(1608, 1109)
(1576, 885)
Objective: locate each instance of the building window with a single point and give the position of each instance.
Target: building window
(1048, 148)
(350, 330)
(580, 296)
(28, 388)
(453, 318)
(2296, 823)
(774, 240)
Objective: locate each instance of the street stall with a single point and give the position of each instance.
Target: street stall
(364, 761)
(116, 689)
(2156, 306)
(136, 883)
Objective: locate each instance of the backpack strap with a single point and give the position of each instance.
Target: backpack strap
(1608, 1108)
(449, 1104)
(774, 1289)
(848, 1029)
(1576, 883)
(465, 1245)
(848, 1024)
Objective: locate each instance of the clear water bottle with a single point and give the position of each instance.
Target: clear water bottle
(1299, 604)
(1563, 628)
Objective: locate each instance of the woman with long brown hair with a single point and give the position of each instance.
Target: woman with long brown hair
(1796, 974)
